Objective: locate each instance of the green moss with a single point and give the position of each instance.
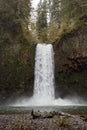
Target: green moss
(16, 68)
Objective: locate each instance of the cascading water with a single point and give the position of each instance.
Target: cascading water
(44, 94)
(44, 73)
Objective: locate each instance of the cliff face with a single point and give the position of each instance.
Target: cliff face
(71, 64)
(16, 71)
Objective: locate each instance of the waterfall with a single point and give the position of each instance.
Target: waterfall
(44, 73)
(43, 94)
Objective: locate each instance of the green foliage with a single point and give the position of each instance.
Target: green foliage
(55, 18)
(73, 10)
(52, 33)
(16, 67)
(73, 14)
(42, 21)
(16, 49)
(55, 12)
(14, 15)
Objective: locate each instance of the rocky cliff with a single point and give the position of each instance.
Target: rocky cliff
(17, 67)
(16, 71)
(71, 63)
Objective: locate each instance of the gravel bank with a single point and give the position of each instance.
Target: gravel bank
(45, 122)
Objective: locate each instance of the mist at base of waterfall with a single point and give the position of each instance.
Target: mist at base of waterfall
(34, 102)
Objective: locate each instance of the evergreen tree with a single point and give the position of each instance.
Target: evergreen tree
(54, 19)
(14, 16)
(55, 12)
(42, 21)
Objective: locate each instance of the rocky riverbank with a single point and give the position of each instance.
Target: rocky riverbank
(43, 121)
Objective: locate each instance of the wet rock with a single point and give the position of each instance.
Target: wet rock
(71, 64)
(36, 114)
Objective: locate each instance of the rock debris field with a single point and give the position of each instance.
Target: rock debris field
(43, 121)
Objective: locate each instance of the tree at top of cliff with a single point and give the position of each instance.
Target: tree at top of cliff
(55, 12)
(42, 21)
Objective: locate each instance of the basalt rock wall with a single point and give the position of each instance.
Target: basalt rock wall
(16, 71)
(71, 64)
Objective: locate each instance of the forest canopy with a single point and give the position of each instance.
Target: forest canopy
(53, 17)
(58, 16)
(14, 19)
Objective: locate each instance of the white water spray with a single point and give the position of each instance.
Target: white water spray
(44, 73)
